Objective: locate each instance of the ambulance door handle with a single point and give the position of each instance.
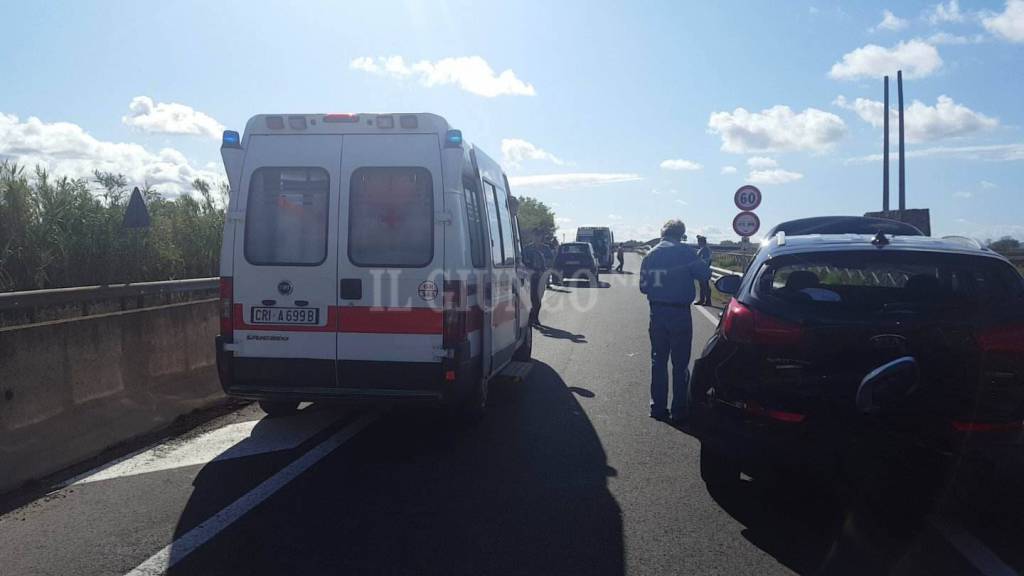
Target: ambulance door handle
(351, 288)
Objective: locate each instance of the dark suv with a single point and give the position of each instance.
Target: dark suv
(576, 259)
(849, 357)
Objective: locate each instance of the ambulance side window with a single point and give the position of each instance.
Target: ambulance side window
(507, 239)
(490, 199)
(391, 217)
(474, 222)
(286, 217)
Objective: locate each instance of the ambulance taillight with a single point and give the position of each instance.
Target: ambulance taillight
(226, 308)
(454, 313)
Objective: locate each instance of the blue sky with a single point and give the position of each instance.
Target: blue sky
(585, 101)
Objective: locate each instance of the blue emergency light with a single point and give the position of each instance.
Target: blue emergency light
(453, 139)
(231, 139)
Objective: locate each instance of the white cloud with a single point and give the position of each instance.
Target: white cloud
(1008, 25)
(682, 202)
(776, 129)
(773, 176)
(728, 169)
(471, 73)
(923, 123)
(571, 180)
(65, 149)
(890, 22)
(170, 118)
(614, 217)
(947, 38)
(945, 12)
(963, 194)
(680, 165)
(989, 152)
(515, 150)
(988, 185)
(761, 162)
(915, 57)
(562, 220)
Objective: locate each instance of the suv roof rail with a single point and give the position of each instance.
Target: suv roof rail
(965, 240)
(845, 225)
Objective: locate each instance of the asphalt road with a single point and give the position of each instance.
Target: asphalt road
(567, 475)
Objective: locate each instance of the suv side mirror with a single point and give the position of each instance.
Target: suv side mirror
(888, 384)
(729, 284)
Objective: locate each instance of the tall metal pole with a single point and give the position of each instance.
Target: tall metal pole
(903, 173)
(885, 150)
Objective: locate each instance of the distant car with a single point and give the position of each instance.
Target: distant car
(575, 260)
(861, 360)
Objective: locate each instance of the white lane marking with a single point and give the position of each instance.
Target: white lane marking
(708, 315)
(187, 543)
(980, 556)
(224, 443)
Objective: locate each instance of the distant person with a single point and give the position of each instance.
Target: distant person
(704, 253)
(533, 257)
(621, 255)
(666, 277)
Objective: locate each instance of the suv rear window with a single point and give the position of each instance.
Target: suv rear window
(574, 249)
(888, 281)
(391, 217)
(286, 217)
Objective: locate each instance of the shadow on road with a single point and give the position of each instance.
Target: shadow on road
(523, 492)
(552, 332)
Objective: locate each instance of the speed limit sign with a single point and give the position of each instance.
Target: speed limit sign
(747, 197)
(746, 224)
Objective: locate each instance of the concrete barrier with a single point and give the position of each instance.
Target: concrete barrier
(71, 388)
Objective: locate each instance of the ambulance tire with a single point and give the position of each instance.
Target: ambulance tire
(474, 406)
(525, 351)
(275, 409)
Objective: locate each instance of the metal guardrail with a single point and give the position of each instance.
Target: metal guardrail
(25, 307)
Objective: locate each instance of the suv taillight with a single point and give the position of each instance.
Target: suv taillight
(226, 307)
(748, 326)
(1004, 339)
(455, 313)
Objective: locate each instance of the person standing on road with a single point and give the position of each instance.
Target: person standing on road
(534, 260)
(621, 255)
(666, 277)
(704, 253)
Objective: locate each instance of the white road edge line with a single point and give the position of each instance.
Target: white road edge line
(708, 315)
(187, 543)
(980, 556)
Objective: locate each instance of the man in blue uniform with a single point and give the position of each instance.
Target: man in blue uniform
(667, 275)
(704, 253)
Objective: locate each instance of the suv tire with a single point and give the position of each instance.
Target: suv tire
(275, 408)
(718, 470)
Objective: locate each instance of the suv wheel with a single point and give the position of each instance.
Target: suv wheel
(718, 470)
(275, 408)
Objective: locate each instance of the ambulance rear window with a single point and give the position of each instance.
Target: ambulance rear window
(286, 217)
(391, 217)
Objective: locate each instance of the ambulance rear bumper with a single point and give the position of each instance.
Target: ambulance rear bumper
(346, 381)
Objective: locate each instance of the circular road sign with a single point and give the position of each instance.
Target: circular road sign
(747, 197)
(746, 224)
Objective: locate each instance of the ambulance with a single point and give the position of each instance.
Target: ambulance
(367, 258)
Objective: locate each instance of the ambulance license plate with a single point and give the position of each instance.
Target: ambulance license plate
(268, 315)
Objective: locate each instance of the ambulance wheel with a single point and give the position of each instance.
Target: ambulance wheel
(525, 351)
(474, 406)
(275, 408)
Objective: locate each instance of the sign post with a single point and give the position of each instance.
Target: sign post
(747, 198)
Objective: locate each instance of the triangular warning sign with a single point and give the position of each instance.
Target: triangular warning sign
(136, 215)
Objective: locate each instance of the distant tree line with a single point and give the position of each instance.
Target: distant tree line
(61, 232)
